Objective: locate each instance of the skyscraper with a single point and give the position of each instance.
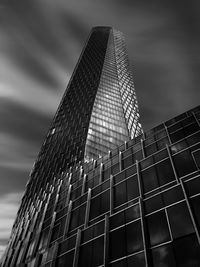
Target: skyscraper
(97, 113)
(136, 204)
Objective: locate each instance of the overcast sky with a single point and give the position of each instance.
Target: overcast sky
(40, 42)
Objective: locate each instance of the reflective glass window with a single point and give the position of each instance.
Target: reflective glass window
(187, 251)
(158, 228)
(172, 195)
(165, 172)
(117, 243)
(180, 220)
(134, 237)
(68, 257)
(163, 256)
(193, 186)
(149, 179)
(196, 208)
(136, 260)
(184, 163)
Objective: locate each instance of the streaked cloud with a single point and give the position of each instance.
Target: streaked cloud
(9, 205)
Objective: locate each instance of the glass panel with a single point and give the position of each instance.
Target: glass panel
(153, 203)
(163, 256)
(137, 260)
(132, 213)
(180, 220)
(196, 155)
(117, 237)
(132, 187)
(149, 179)
(158, 228)
(134, 237)
(196, 208)
(119, 194)
(68, 257)
(98, 252)
(184, 163)
(187, 252)
(193, 186)
(173, 195)
(165, 172)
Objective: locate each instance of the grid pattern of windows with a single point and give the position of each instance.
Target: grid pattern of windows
(115, 115)
(144, 212)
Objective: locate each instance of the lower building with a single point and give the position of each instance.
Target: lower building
(137, 206)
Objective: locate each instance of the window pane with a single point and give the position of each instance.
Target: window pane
(173, 195)
(149, 179)
(187, 252)
(158, 228)
(132, 213)
(196, 208)
(165, 172)
(163, 256)
(153, 203)
(134, 237)
(98, 252)
(136, 260)
(180, 220)
(117, 237)
(68, 257)
(184, 163)
(132, 188)
(119, 194)
(193, 186)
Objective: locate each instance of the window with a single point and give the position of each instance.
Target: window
(158, 228)
(163, 256)
(149, 179)
(184, 163)
(68, 257)
(134, 237)
(165, 172)
(187, 251)
(180, 220)
(100, 204)
(91, 254)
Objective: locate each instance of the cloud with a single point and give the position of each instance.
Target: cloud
(9, 204)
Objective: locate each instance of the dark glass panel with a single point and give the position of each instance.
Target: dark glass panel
(158, 228)
(176, 136)
(132, 213)
(138, 156)
(119, 177)
(136, 260)
(193, 186)
(95, 207)
(153, 203)
(160, 155)
(195, 138)
(119, 194)
(132, 187)
(117, 243)
(146, 162)
(105, 201)
(187, 251)
(128, 161)
(184, 163)
(149, 150)
(162, 143)
(165, 172)
(173, 195)
(163, 257)
(117, 220)
(68, 257)
(197, 157)
(98, 251)
(179, 146)
(55, 232)
(190, 129)
(196, 208)
(180, 220)
(149, 179)
(134, 237)
(130, 171)
(122, 263)
(85, 255)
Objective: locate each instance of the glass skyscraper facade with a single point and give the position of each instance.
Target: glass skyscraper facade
(130, 204)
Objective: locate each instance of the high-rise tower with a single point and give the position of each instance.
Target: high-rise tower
(97, 113)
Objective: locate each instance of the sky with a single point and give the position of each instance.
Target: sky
(40, 43)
